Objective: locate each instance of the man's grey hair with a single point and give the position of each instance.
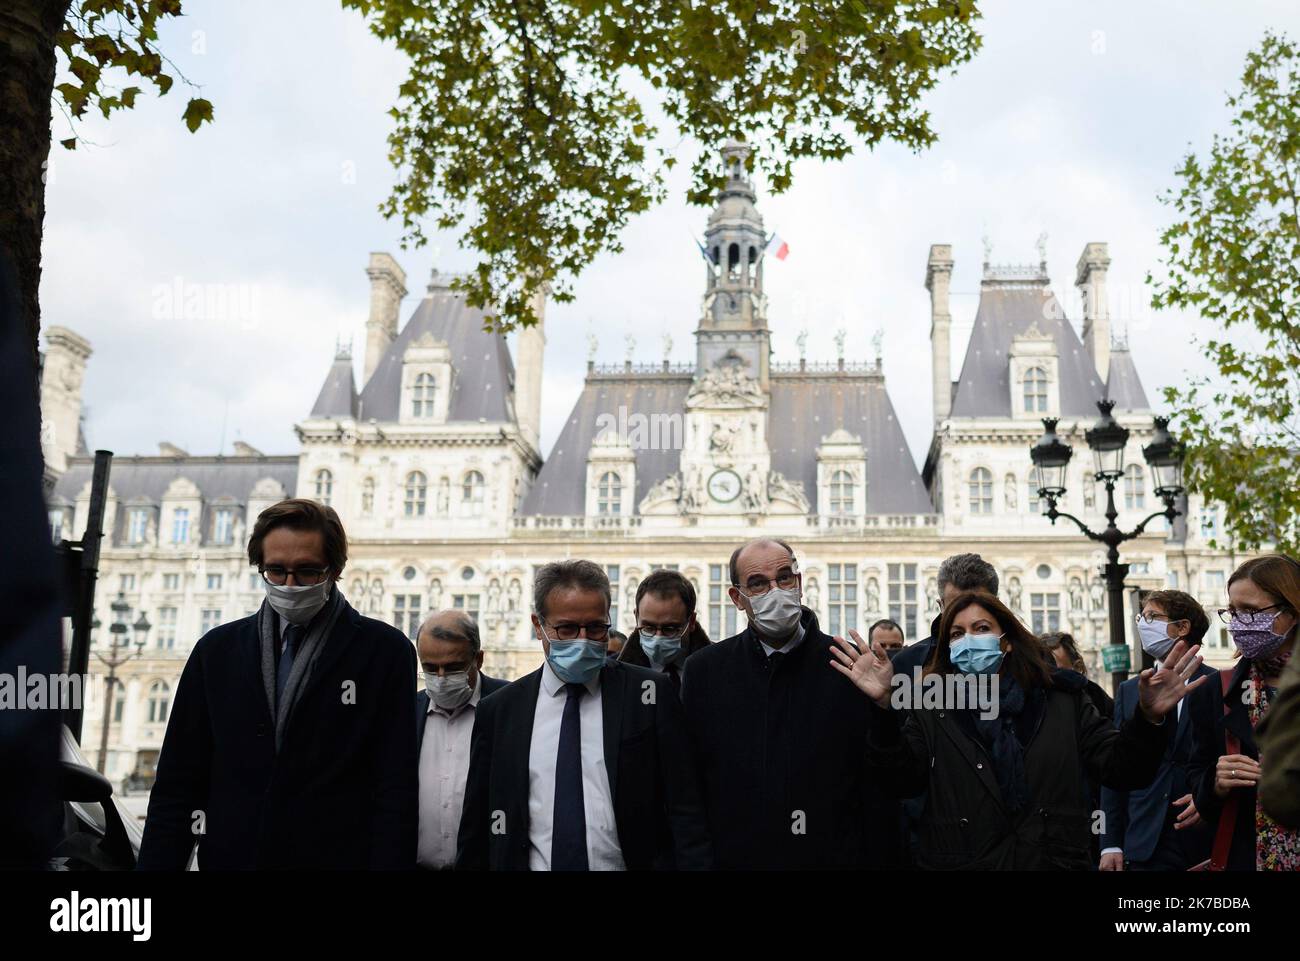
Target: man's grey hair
(968, 572)
(581, 574)
(468, 627)
(733, 564)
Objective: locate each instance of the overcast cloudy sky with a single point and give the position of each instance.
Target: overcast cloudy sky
(1070, 121)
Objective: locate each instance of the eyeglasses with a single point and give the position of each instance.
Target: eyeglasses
(758, 586)
(302, 576)
(663, 630)
(1152, 618)
(595, 631)
(1250, 619)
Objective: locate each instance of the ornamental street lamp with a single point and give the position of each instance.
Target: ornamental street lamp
(118, 630)
(1107, 439)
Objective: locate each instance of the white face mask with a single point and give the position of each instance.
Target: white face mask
(776, 613)
(449, 691)
(1155, 638)
(298, 605)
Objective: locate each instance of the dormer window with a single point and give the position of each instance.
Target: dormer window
(138, 525)
(610, 496)
(422, 396)
(324, 486)
(1035, 391)
(223, 525)
(180, 525)
(842, 492)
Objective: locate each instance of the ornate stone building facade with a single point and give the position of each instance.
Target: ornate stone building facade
(435, 466)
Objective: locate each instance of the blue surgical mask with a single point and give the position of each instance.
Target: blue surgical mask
(577, 661)
(976, 653)
(1155, 638)
(660, 651)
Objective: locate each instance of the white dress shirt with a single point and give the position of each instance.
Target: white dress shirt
(444, 766)
(603, 850)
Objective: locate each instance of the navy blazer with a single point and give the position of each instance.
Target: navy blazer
(486, 686)
(652, 778)
(342, 792)
(1134, 820)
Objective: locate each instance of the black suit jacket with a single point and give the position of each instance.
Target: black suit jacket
(486, 686)
(657, 806)
(341, 792)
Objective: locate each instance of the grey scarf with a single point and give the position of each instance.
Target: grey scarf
(318, 631)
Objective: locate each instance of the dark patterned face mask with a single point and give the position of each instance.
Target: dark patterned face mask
(1254, 635)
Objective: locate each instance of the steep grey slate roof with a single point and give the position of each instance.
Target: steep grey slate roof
(143, 480)
(484, 371)
(561, 486)
(1004, 312)
(804, 409)
(1123, 385)
(807, 408)
(338, 395)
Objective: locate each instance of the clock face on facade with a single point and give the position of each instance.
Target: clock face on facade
(724, 486)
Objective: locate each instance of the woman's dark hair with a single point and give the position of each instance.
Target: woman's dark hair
(1066, 641)
(301, 514)
(1025, 658)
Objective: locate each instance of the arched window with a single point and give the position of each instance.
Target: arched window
(842, 492)
(1035, 390)
(981, 491)
(368, 496)
(471, 492)
(422, 396)
(733, 262)
(324, 486)
(416, 488)
(1135, 497)
(160, 696)
(609, 494)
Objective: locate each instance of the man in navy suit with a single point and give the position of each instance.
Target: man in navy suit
(1158, 828)
(584, 764)
(451, 655)
(291, 741)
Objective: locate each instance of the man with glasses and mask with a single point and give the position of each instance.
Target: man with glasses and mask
(291, 740)
(781, 737)
(584, 764)
(667, 631)
(451, 656)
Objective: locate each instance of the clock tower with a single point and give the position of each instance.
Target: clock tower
(733, 321)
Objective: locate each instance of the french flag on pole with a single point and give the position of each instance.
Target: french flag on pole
(777, 247)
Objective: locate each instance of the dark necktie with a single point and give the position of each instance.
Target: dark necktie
(569, 820)
(292, 636)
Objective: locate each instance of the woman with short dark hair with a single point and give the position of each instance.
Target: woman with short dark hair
(1005, 776)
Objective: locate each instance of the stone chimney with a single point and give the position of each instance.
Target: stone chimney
(63, 372)
(938, 275)
(168, 449)
(246, 450)
(1090, 280)
(387, 288)
(530, 346)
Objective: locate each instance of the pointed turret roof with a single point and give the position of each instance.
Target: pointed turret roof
(338, 395)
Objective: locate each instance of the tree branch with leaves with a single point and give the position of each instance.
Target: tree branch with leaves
(1233, 256)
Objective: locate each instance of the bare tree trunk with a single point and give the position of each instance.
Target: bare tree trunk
(27, 46)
